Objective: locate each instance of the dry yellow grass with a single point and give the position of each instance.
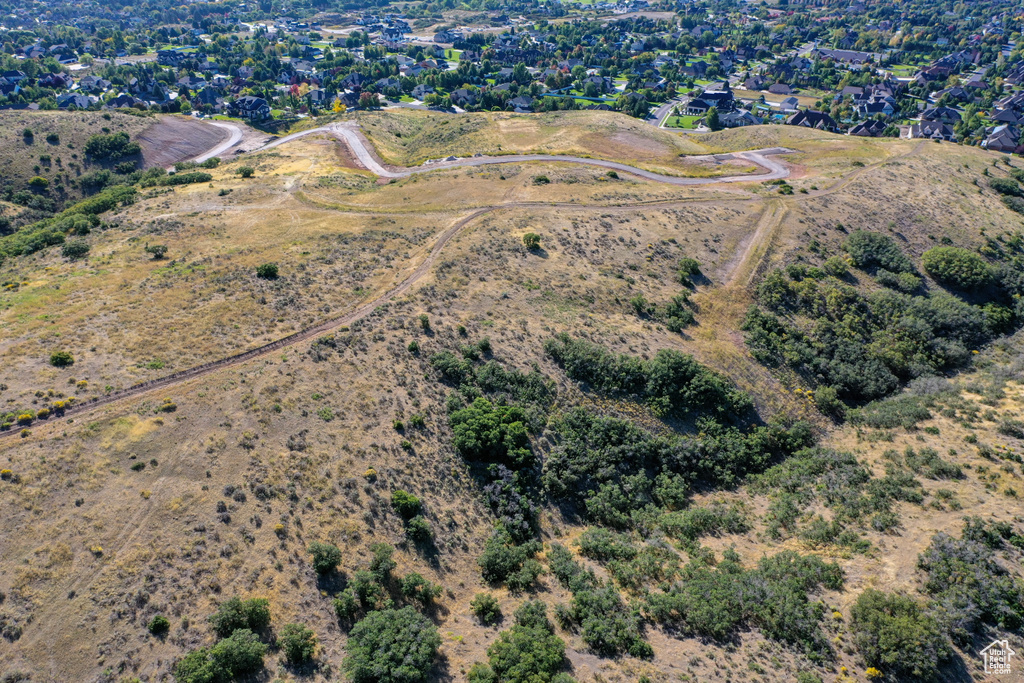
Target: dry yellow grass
(92, 548)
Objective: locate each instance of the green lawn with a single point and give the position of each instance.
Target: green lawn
(688, 122)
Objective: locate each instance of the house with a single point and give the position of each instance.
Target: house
(875, 107)
(251, 108)
(76, 100)
(809, 118)
(169, 58)
(447, 36)
(421, 91)
(94, 84)
(1004, 138)
(1006, 116)
(13, 77)
(780, 89)
(941, 114)
(320, 97)
(849, 57)
(208, 96)
(57, 81)
(790, 104)
(754, 83)
(522, 104)
(932, 130)
(354, 81)
(463, 97)
(125, 101)
(738, 119)
(868, 129)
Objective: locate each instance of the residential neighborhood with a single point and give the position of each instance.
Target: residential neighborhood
(884, 70)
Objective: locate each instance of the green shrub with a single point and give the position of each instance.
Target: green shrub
(505, 562)
(871, 250)
(246, 171)
(391, 646)
(486, 608)
(418, 530)
(957, 267)
(298, 642)
(836, 266)
(603, 545)
(159, 625)
(111, 147)
(240, 653)
(529, 652)
(491, 433)
(774, 596)
(74, 250)
(903, 282)
(1005, 186)
(405, 504)
(382, 564)
(894, 634)
(158, 251)
(671, 382)
(970, 587)
(416, 587)
(235, 614)
(532, 241)
(326, 557)
(267, 271)
(61, 359)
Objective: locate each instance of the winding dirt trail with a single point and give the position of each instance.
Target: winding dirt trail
(350, 136)
(348, 133)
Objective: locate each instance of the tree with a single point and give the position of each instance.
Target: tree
(39, 182)
(406, 504)
(326, 557)
(957, 267)
(532, 241)
(298, 642)
(237, 614)
(338, 107)
(158, 251)
(61, 359)
(75, 249)
(392, 646)
(529, 652)
(714, 123)
(267, 271)
(894, 634)
(246, 171)
(240, 653)
(158, 625)
(486, 608)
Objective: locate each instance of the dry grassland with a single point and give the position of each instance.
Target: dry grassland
(112, 517)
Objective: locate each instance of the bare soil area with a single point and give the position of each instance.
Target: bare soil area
(177, 138)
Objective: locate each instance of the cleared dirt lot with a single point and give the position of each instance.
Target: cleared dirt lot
(176, 138)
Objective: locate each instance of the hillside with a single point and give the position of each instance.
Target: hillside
(483, 377)
(51, 145)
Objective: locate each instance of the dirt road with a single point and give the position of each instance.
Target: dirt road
(349, 134)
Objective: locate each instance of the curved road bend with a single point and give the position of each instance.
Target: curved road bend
(355, 142)
(349, 135)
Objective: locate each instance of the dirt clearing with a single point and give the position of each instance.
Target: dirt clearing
(175, 138)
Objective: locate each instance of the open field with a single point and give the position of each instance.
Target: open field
(133, 509)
